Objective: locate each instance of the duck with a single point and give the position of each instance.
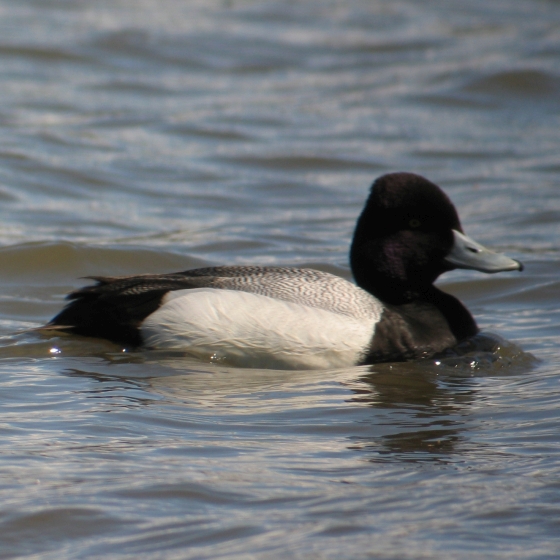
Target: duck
(407, 235)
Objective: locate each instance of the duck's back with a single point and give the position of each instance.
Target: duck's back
(303, 286)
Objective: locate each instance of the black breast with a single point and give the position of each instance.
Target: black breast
(420, 329)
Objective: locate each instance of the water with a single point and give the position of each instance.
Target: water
(154, 136)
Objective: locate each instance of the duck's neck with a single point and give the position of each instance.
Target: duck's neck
(459, 318)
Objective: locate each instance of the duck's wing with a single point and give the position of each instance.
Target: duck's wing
(114, 307)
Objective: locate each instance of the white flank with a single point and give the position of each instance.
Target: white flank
(251, 330)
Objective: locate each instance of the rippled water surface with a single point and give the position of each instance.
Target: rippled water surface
(154, 136)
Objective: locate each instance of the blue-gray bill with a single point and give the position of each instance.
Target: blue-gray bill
(467, 253)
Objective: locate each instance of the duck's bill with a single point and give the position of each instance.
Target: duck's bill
(467, 253)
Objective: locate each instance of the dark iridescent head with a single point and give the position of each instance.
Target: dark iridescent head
(407, 235)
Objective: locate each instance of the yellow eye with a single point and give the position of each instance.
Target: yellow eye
(414, 223)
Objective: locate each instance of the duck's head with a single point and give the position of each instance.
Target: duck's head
(408, 234)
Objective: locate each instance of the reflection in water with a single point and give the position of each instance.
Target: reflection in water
(425, 413)
(422, 410)
(427, 403)
(115, 392)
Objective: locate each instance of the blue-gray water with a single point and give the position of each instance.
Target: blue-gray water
(157, 135)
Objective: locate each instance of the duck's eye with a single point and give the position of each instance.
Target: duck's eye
(414, 223)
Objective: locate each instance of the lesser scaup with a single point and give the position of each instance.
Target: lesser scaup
(407, 235)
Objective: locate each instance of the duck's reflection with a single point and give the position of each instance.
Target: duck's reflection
(413, 411)
(422, 417)
(423, 408)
